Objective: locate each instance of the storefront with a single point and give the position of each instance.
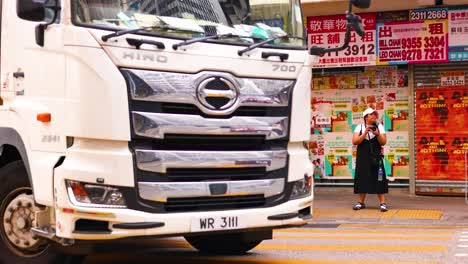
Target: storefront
(441, 130)
(409, 67)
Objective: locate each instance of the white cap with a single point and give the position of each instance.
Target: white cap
(367, 112)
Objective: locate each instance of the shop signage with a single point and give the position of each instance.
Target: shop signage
(412, 42)
(452, 79)
(428, 14)
(393, 16)
(329, 32)
(458, 35)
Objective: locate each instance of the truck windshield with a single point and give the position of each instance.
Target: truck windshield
(248, 21)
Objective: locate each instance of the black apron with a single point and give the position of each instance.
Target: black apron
(366, 175)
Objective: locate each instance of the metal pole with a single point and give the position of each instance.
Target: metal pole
(412, 131)
(466, 178)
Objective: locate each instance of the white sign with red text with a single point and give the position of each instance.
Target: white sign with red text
(412, 42)
(458, 34)
(329, 32)
(451, 79)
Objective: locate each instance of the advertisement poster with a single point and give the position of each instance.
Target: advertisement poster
(329, 32)
(440, 151)
(396, 112)
(396, 116)
(331, 111)
(458, 104)
(458, 35)
(396, 154)
(458, 147)
(317, 155)
(321, 111)
(432, 155)
(338, 155)
(378, 76)
(412, 42)
(363, 99)
(337, 112)
(432, 110)
(341, 117)
(342, 81)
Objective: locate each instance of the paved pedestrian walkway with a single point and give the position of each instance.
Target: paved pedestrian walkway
(334, 205)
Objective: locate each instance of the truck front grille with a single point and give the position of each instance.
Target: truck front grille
(192, 131)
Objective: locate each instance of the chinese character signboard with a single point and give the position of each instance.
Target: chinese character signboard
(452, 79)
(412, 42)
(458, 35)
(329, 32)
(431, 35)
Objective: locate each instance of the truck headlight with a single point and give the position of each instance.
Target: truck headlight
(91, 195)
(302, 188)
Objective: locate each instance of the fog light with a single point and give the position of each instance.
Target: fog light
(302, 188)
(90, 195)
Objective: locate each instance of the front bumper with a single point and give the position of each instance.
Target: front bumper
(173, 224)
(112, 162)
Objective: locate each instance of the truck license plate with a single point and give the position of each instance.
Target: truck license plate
(217, 223)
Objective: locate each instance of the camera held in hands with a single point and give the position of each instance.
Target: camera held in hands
(373, 127)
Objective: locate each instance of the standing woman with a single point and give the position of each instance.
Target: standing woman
(369, 138)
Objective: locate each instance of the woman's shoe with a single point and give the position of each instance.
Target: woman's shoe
(359, 206)
(383, 207)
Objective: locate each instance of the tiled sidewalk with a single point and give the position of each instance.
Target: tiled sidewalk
(334, 205)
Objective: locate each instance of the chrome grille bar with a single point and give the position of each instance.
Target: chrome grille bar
(161, 191)
(154, 125)
(182, 88)
(159, 160)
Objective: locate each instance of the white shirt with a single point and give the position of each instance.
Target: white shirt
(361, 129)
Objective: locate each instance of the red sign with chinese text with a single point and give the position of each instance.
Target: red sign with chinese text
(329, 32)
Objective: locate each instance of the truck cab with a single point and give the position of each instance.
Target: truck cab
(136, 119)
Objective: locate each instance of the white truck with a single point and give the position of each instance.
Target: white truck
(126, 119)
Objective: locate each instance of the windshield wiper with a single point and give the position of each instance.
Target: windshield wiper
(195, 40)
(135, 30)
(128, 31)
(257, 45)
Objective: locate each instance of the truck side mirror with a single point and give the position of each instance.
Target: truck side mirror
(31, 10)
(363, 4)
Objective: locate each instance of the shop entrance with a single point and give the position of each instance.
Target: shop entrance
(339, 96)
(441, 128)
